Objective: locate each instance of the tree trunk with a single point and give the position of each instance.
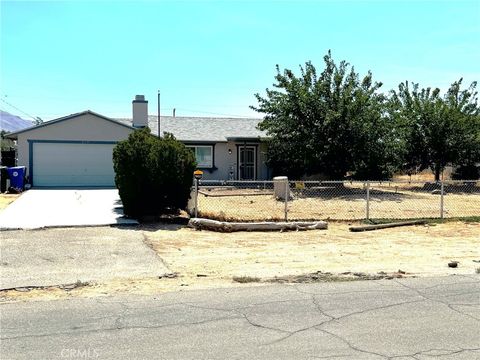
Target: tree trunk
(385, 226)
(207, 224)
(438, 170)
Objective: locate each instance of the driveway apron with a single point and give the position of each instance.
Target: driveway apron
(40, 208)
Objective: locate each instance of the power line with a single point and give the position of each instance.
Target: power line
(165, 109)
(16, 108)
(212, 113)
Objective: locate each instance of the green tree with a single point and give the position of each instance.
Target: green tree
(330, 123)
(6, 144)
(437, 130)
(153, 175)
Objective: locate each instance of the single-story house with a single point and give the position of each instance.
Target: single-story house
(76, 150)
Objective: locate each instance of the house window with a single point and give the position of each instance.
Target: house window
(203, 155)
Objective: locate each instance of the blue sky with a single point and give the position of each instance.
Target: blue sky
(209, 58)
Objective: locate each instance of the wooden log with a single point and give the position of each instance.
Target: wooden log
(223, 226)
(385, 226)
(206, 194)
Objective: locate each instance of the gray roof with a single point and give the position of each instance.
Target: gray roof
(205, 129)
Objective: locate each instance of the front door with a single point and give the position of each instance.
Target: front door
(247, 163)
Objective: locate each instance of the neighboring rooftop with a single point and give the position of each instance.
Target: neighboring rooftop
(204, 128)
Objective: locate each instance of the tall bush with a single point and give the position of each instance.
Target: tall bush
(153, 175)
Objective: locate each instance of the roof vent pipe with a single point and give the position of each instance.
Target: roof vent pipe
(139, 112)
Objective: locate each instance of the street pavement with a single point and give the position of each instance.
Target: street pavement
(39, 208)
(64, 256)
(419, 318)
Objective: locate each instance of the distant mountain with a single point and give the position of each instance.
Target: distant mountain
(9, 122)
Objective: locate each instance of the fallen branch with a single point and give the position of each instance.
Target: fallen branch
(206, 194)
(222, 226)
(385, 226)
(66, 287)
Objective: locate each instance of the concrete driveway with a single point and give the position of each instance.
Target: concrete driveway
(64, 207)
(64, 256)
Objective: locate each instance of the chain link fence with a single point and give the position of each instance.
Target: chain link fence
(334, 200)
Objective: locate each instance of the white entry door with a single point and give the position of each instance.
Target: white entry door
(72, 164)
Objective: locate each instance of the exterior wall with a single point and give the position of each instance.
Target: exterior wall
(222, 162)
(264, 173)
(86, 127)
(89, 127)
(226, 163)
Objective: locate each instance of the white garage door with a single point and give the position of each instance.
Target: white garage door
(72, 164)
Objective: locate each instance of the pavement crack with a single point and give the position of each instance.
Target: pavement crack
(450, 306)
(371, 309)
(439, 285)
(461, 294)
(350, 345)
(115, 328)
(320, 309)
(382, 290)
(332, 318)
(435, 352)
(269, 303)
(244, 316)
(207, 307)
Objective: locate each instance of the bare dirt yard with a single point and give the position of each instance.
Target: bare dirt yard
(204, 259)
(387, 201)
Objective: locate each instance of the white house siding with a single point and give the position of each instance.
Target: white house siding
(225, 161)
(263, 171)
(86, 127)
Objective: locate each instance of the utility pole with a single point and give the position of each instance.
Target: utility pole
(158, 113)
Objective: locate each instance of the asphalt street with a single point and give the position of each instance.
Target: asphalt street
(421, 318)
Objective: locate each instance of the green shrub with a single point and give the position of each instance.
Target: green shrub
(153, 175)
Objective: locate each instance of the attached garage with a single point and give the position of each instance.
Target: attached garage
(72, 164)
(74, 151)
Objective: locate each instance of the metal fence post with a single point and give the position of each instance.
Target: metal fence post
(441, 199)
(196, 197)
(286, 200)
(368, 201)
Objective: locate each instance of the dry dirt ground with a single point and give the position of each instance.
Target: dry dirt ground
(204, 259)
(387, 201)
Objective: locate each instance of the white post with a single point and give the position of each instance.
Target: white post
(368, 201)
(441, 199)
(286, 199)
(196, 197)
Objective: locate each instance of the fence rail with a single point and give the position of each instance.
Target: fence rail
(335, 200)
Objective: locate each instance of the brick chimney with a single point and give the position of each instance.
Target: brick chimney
(140, 112)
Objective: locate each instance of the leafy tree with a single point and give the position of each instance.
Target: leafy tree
(6, 144)
(330, 123)
(153, 175)
(437, 130)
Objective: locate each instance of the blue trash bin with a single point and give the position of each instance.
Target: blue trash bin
(16, 175)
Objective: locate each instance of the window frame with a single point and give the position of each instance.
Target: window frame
(212, 149)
